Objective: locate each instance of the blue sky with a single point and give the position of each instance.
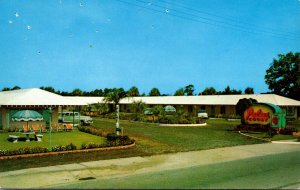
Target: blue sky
(91, 44)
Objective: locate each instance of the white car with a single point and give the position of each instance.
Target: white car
(202, 115)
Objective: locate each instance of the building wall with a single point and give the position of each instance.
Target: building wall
(219, 111)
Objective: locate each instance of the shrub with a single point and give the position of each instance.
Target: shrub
(71, 146)
(26, 150)
(288, 130)
(271, 132)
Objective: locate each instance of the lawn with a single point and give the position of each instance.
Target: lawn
(58, 138)
(153, 139)
(150, 139)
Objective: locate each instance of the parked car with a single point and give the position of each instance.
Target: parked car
(69, 117)
(202, 114)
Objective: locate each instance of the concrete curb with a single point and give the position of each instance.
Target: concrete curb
(254, 137)
(284, 142)
(274, 142)
(182, 125)
(66, 152)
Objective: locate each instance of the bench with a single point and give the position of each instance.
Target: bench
(39, 137)
(14, 138)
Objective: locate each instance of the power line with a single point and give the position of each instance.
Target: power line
(203, 20)
(230, 19)
(238, 26)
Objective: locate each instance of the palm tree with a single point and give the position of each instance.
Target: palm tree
(133, 91)
(154, 92)
(114, 96)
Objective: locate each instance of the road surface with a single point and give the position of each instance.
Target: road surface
(251, 166)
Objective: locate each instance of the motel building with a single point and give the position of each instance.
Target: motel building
(49, 104)
(216, 106)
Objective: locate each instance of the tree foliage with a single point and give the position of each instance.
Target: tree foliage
(189, 90)
(133, 91)
(249, 90)
(283, 76)
(114, 96)
(209, 91)
(179, 92)
(242, 105)
(154, 92)
(227, 90)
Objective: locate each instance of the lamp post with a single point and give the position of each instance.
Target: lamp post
(118, 118)
(50, 128)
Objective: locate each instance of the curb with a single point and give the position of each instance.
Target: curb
(182, 125)
(254, 137)
(284, 142)
(274, 142)
(65, 152)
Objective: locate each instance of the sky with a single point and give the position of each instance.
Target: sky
(167, 44)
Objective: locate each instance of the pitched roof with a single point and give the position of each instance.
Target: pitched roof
(197, 100)
(213, 99)
(35, 97)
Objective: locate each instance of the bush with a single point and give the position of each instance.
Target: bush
(287, 130)
(271, 132)
(26, 150)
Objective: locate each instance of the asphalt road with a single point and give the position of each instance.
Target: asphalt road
(271, 171)
(250, 166)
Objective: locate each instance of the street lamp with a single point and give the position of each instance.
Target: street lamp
(118, 118)
(50, 129)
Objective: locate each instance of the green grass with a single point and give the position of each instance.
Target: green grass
(59, 138)
(150, 139)
(153, 139)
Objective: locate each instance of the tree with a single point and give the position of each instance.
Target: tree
(154, 92)
(189, 90)
(101, 108)
(179, 92)
(133, 91)
(137, 106)
(6, 89)
(249, 90)
(114, 96)
(283, 76)
(242, 105)
(229, 91)
(48, 88)
(77, 92)
(16, 88)
(209, 91)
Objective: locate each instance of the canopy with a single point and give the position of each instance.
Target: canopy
(27, 115)
(170, 108)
